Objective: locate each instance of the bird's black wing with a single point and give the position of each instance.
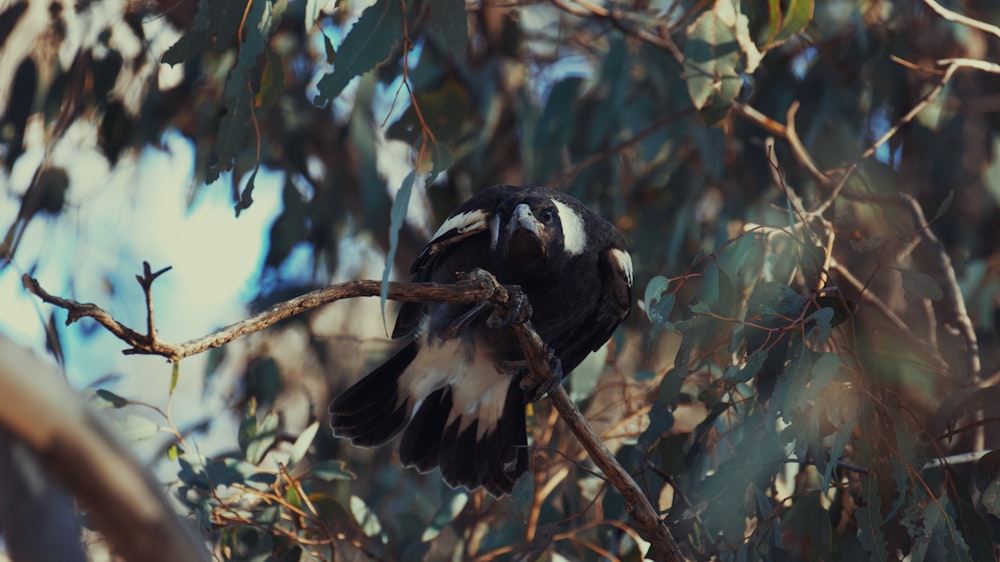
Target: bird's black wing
(613, 303)
(471, 219)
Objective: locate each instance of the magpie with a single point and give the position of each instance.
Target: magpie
(453, 390)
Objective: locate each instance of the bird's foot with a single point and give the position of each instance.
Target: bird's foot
(516, 310)
(535, 387)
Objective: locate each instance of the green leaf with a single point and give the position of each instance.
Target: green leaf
(112, 398)
(754, 362)
(138, 428)
(302, 443)
(797, 16)
(770, 31)
(840, 439)
(711, 63)
(367, 518)
(870, 521)
(991, 498)
(670, 388)
(215, 23)
(256, 439)
(820, 332)
(453, 505)
(332, 470)
(659, 305)
(809, 523)
(661, 420)
(448, 22)
(945, 205)
(246, 196)
(940, 540)
(445, 110)
(826, 366)
(238, 97)
(175, 372)
(701, 308)
(397, 217)
(173, 452)
(372, 39)
(272, 83)
(586, 375)
(729, 13)
(331, 53)
(969, 521)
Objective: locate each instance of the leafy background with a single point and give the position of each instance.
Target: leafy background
(816, 306)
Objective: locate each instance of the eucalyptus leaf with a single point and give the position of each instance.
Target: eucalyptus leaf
(372, 39)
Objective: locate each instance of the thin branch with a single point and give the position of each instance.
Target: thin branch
(964, 20)
(140, 344)
(589, 9)
(917, 345)
(953, 300)
(799, 149)
(647, 521)
(146, 282)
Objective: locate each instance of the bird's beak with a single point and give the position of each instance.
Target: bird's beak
(523, 218)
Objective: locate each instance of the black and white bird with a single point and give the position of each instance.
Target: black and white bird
(455, 394)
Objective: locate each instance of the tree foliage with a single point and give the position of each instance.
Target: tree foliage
(811, 191)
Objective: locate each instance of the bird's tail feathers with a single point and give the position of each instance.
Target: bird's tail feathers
(370, 413)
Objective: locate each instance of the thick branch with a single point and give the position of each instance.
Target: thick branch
(41, 412)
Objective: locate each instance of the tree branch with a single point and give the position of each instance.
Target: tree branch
(953, 299)
(140, 344)
(41, 412)
(964, 20)
(509, 303)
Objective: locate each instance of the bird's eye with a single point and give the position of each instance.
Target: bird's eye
(546, 216)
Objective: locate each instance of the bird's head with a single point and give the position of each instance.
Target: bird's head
(535, 233)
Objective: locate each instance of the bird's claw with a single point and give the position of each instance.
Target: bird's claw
(517, 310)
(536, 389)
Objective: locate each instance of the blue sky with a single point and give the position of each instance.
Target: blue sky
(114, 221)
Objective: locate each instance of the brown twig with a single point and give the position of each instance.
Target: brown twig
(647, 521)
(964, 20)
(589, 9)
(146, 282)
(953, 300)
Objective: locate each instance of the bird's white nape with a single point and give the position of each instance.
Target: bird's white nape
(574, 235)
(624, 260)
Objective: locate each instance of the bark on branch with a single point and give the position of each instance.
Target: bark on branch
(45, 416)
